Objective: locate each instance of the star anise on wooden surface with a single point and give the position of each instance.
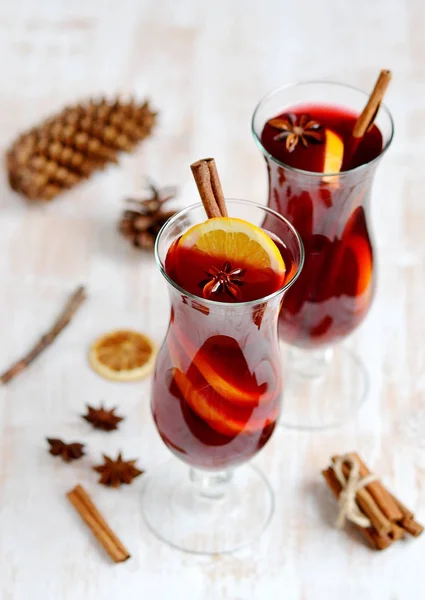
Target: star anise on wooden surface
(67, 452)
(101, 418)
(294, 129)
(115, 472)
(141, 223)
(225, 280)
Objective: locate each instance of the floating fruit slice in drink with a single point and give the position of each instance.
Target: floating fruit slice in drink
(220, 415)
(322, 327)
(223, 365)
(227, 259)
(362, 253)
(334, 152)
(300, 210)
(235, 240)
(178, 357)
(334, 155)
(123, 355)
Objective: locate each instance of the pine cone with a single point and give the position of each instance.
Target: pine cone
(69, 146)
(141, 224)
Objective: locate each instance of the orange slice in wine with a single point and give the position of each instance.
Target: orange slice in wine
(236, 241)
(123, 355)
(213, 410)
(334, 153)
(362, 253)
(221, 362)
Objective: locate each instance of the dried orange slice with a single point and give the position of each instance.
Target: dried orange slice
(235, 240)
(123, 355)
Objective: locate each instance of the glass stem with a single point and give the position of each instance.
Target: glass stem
(309, 363)
(211, 484)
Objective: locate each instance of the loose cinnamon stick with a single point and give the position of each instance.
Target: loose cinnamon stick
(368, 505)
(71, 307)
(381, 495)
(377, 541)
(370, 111)
(92, 517)
(208, 182)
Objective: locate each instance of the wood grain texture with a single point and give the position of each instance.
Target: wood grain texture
(204, 71)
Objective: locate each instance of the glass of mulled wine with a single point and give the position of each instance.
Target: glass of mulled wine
(217, 385)
(320, 179)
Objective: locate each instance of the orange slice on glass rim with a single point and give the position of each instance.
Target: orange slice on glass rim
(235, 240)
(123, 355)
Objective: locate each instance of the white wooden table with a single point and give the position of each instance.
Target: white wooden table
(204, 65)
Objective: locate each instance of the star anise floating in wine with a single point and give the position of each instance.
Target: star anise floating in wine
(295, 129)
(226, 280)
(115, 472)
(67, 452)
(101, 418)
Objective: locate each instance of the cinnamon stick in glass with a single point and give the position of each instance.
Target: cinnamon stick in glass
(366, 118)
(209, 187)
(216, 186)
(368, 114)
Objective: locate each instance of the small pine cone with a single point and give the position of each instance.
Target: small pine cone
(69, 146)
(141, 225)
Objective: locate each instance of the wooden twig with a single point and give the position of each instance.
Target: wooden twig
(71, 307)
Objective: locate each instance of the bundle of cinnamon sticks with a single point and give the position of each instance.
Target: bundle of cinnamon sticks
(389, 519)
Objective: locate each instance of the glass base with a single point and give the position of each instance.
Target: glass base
(206, 512)
(322, 388)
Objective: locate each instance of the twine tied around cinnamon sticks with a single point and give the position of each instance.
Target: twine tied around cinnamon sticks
(379, 516)
(348, 508)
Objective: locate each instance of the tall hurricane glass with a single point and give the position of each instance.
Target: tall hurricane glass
(326, 382)
(215, 401)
